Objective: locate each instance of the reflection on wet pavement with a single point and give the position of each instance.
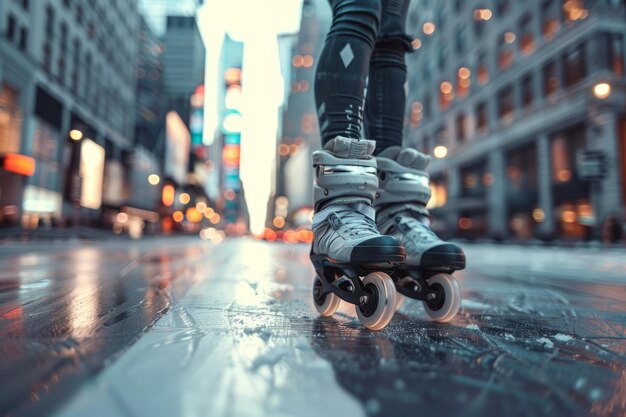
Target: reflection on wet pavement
(63, 314)
(245, 340)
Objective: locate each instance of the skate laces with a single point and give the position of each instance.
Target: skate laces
(414, 230)
(358, 223)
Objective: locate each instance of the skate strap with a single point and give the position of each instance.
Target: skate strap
(364, 209)
(407, 157)
(350, 148)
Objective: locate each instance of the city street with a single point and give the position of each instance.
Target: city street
(179, 327)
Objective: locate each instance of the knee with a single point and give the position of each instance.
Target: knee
(360, 18)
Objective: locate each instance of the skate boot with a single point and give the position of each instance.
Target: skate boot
(401, 212)
(350, 256)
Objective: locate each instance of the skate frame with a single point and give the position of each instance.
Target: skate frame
(344, 279)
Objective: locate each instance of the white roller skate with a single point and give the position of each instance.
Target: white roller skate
(401, 213)
(347, 245)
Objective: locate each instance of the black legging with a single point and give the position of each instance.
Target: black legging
(366, 37)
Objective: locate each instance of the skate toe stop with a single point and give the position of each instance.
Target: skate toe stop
(448, 255)
(378, 249)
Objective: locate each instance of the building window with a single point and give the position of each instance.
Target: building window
(461, 127)
(527, 36)
(550, 19)
(574, 10)
(616, 53)
(87, 88)
(443, 57)
(426, 145)
(483, 68)
(482, 121)
(527, 91)
(476, 179)
(49, 21)
(11, 28)
(461, 41)
(10, 120)
(91, 30)
(417, 110)
(427, 103)
(522, 198)
(574, 63)
(505, 51)
(23, 44)
(573, 213)
(62, 52)
(47, 46)
(442, 136)
(505, 104)
(503, 7)
(550, 80)
(76, 66)
(79, 14)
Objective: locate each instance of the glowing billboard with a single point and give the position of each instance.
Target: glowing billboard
(178, 140)
(92, 174)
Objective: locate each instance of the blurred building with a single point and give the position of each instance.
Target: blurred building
(150, 100)
(225, 186)
(522, 104)
(67, 104)
(183, 64)
(299, 132)
(156, 11)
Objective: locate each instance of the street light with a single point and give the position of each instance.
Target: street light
(441, 151)
(154, 179)
(184, 198)
(76, 134)
(602, 91)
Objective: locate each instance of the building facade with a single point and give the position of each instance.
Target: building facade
(156, 11)
(299, 136)
(67, 83)
(183, 64)
(523, 106)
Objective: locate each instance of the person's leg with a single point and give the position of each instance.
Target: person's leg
(346, 241)
(404, 188)
(343, 66)
(386, 98)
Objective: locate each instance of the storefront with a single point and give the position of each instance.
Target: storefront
(11, 182)
(573, 213)
(522, 197)
(42, 202)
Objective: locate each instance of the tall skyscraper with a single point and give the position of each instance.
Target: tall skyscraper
(183, 63)
(156, 11)
(300, 133)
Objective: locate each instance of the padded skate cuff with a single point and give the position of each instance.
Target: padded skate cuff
(402, 177)
(343, 179)
(350, 148)
(406, 157)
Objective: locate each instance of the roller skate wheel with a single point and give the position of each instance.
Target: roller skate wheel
(381, 306)
(400, 299)
(444, 310)
(325, 305)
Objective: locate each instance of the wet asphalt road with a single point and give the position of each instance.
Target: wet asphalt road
(181, 328)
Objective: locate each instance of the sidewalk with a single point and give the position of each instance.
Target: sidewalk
(574, 262)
